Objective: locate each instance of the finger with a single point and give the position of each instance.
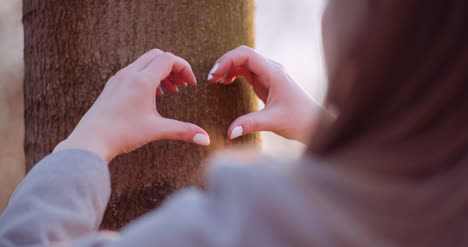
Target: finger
(260, 89)
(144, 60)
(159, 92)
(170, 129)
(162, 66)
(237, 72)
(251, 122)
(178, 81)
(229, 78)
(240, 57)
(168, 84)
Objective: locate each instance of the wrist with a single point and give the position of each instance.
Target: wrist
(308, 119)
(85, 143)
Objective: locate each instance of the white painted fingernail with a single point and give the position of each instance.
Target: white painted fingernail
(186, 84)
(236, 132)
(215, 67)
(201, 139)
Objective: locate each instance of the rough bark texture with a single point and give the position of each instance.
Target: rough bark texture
(73, 47)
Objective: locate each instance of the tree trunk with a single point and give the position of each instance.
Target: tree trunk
(73, 47)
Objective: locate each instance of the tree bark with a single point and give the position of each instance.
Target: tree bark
(73, 47)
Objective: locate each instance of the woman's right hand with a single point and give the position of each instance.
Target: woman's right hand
(289, 111)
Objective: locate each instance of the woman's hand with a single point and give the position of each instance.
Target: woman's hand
(289, 111)
(124, 117)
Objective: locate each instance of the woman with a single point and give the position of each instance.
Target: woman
(386, 167)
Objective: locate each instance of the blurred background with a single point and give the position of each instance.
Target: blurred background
(288, 31)
(12, 166)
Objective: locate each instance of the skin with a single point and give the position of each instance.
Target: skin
(127, 102)
(284, 99)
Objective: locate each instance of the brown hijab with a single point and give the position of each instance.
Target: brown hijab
(401, 92)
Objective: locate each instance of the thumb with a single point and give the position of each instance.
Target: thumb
(171, 129)
(251, 122)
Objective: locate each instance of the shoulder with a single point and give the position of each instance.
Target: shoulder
(252, 201)
(262, 187)
(228, 212)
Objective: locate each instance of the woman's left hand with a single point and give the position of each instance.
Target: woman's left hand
(124, 117)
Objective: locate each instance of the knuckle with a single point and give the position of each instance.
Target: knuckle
(250, 125)
(155, 52)
(169, 55)
(185, 132)
(278, 69)
(122, 75)
(246, 49)
(140, 79)
(276, 64)
(243, 47)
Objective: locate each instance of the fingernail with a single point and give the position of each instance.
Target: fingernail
(236, 132)
(201, 139)
(215, 67)
(186, 84)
